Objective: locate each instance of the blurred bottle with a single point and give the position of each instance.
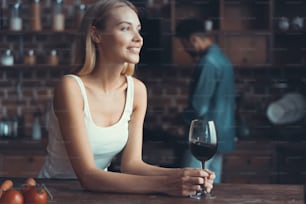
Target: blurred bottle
(58, 23)
(53, 58)
(79, 11)
(7, 58)
(36, 128)
(29, 58)
(36, 16)
(15, 18)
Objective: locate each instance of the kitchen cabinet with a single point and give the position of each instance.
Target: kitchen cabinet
(289, 33)
(246, 49)
(290, 162)
(279, 162)
(251, 162)
(21, 157)
(21, 165)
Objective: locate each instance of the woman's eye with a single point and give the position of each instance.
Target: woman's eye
(127, 28)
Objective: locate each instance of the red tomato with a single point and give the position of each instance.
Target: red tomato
(34, 195)
(11, 196)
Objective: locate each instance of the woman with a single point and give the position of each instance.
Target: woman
(99, 112)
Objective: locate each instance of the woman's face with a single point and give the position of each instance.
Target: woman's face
(121, 41)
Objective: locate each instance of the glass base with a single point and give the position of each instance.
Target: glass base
(209, 196)
(203, 195)
(197, 196)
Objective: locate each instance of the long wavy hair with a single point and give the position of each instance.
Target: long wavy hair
(86, 52)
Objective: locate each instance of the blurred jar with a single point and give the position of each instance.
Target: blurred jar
(283, 23)
(7, 58)
(30, 58)
(9, 127)
(58, 23)
(288, 109)
(53, 58)
(15, 18)
(36, 16)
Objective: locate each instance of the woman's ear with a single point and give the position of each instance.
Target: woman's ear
(95, 35)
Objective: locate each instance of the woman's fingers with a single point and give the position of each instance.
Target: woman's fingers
(195, 172)
(211, 174)
(191, 189)
(208, 184)
(192, 180)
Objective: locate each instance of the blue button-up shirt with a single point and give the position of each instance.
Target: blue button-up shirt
(212, 96)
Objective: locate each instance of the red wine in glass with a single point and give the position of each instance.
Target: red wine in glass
(202, 151)
(203, 145)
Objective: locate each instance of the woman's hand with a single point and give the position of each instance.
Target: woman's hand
(208, 184)
(187, 181)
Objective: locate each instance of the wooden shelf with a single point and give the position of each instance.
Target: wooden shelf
(24, 67)
(17, 145)
(43, 32)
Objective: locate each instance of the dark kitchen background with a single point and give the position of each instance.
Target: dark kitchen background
(264, 39)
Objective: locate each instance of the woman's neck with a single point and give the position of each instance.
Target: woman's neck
(107, 77)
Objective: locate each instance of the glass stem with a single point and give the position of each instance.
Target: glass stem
(203, 167)
(203, 164)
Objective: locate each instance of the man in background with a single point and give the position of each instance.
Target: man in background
(211, 93)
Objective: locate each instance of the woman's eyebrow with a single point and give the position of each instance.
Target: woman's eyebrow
(127, 22)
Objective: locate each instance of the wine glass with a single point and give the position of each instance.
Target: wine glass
(203, 145)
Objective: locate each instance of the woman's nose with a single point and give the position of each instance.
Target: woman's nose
(137, 37)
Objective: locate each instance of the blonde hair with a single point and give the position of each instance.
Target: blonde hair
(97, 16)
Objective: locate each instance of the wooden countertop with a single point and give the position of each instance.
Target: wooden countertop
(70, 191)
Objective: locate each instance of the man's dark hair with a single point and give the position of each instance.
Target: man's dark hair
(189, 26)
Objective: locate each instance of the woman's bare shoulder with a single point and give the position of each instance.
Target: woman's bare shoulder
(67, 88)
(140, 94)
(65, 82)
(139, 86)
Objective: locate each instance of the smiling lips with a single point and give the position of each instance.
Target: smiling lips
(135, 50)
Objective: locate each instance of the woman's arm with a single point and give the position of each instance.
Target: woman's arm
(68, 105)
(131, 160)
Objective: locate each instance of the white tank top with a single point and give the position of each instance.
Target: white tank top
(105, 142)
